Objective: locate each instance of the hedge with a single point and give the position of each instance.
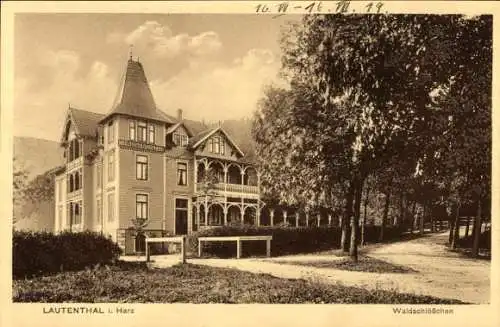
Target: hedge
(484, 241)
(286, 240)
(40, 253)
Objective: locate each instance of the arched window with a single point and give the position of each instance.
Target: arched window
(71, 153)
(77, 148)
(77, 181)
(71, 183)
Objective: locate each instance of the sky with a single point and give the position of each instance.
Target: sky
(212, 66)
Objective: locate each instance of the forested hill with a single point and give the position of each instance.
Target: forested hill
(241, 132)
(36, 156)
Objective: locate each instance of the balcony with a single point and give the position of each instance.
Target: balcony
(222, 188)
(75, 163)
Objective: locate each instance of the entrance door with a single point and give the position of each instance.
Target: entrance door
(181, 216)
(140, 243)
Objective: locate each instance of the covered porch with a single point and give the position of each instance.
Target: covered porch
(224, 176)
(209, 211)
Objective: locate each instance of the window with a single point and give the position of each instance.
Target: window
(216, 148)
(111, 206)
(151, 129)
(99, 212)
(141, 206)
(99, 176)
(76, 213)
(111, 166)
(71, 183)
(141, 131)
(76, 149)
(141, 169)
(131, 130)
(111, 133)
(70, 151)
(216, 145)
(211, 145)
(181, 173)
(77, 181)
(180, 139)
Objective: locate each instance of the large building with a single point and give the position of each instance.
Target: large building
(137, 165)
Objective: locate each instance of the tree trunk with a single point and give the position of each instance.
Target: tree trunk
(401, 218)
(344, 241)
(422, 219)
(386, 213)
(412, 218)
(451, 224)
(456, 232)
(467, 227)
(432, 218)
(353, 249)
(365, 205)
(477, 229)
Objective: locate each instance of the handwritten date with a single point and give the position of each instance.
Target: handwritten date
(317, 7)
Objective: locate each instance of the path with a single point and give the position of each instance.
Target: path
(439, 273)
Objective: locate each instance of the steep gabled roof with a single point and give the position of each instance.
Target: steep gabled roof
(84, 122)
(174, 127)
(194, 126)
(195, 141)
(134, 97)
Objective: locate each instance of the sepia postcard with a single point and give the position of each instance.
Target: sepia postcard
(217, 163)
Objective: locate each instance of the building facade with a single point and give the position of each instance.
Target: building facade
(137, 165)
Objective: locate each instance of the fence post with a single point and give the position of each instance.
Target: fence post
(183, 249)
(238, 249)
(147, 251)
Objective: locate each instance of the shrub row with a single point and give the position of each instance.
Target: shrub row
(37, 253)
(286, 240)
(484, 241)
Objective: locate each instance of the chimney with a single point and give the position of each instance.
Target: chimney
(179, 114)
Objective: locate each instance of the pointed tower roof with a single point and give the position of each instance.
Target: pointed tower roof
(134, 97)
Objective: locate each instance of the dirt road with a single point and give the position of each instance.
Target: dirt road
(438, 273)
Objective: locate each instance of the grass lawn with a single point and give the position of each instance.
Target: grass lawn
(133, 282)
(366, 264)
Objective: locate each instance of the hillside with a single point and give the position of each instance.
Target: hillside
(241, 132)
(35, 156)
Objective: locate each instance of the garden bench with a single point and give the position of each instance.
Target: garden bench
(176, 239)
(238, 240)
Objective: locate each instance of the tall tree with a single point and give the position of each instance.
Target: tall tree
(362, 96)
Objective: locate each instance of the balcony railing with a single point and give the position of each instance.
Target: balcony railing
(233, 188)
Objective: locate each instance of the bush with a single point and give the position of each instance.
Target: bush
(286, 240)
(484, 241)
(44, 253)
